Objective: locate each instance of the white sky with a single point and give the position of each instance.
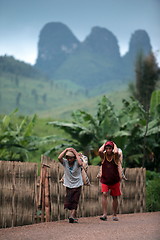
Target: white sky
(22, 20)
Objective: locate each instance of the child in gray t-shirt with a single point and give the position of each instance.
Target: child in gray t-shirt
(73, 182)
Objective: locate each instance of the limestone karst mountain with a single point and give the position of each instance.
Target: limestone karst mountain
(139, 43)
(95, 61)
(56, 43)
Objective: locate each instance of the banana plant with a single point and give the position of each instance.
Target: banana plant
(16, 140)
(133, 129)
(87, 132)
(139, 132)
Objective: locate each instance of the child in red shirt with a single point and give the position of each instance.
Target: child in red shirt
(111, 176)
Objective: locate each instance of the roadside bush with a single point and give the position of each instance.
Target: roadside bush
(152, 191)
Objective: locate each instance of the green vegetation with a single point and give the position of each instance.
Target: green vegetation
(9, 65)
(91, 70)
(86, 132)
(31, 96)
(46, 98)
(147, 75)
(152, 191)
(18, 141)
(131, 128)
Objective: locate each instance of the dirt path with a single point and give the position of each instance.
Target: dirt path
(137, 226)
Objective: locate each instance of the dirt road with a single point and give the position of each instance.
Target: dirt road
(139, 226)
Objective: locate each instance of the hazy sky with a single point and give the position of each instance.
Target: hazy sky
(22, 20)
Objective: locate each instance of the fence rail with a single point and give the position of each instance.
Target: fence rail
(26, 198)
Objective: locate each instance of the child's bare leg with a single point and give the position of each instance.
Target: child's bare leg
(73, 213)
(104, 206)
(115, 205)
(104, 203)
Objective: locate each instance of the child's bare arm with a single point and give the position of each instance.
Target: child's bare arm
(100, 172)
(62, 154)
(101, 151)
(120, 170)
(115, 149)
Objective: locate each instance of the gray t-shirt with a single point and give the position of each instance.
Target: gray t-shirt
(72, 175)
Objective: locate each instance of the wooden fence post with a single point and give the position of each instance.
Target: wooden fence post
(44, 191)
(47, 196)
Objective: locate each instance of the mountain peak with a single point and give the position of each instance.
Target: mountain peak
(103, 41)
(140, 41)
(56, 42)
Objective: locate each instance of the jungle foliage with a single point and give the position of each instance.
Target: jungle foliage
(132, 128)
(17, 139)
(152, 191)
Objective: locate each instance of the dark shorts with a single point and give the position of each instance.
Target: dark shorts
(114, 189)
(72, 198)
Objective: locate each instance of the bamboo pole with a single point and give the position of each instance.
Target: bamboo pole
(43, 192)
(40, 185)
(47, 197)
(13, 194)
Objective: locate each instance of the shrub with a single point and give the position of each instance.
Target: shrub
(152, 191)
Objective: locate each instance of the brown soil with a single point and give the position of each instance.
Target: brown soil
(137, 226)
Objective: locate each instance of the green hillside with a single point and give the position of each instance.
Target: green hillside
(55, 99)
(23, 87)
(9, 65)
(88, 69)
(34, 96)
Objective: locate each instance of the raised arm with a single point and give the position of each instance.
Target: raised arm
(101, 151)
(119, 158)
(62, 154)
(115, 150)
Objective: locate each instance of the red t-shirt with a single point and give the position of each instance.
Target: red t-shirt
(110, 174)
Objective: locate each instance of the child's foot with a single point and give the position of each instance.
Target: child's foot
(71, 220)
(115, 218)
(75, 220)
(103, 218)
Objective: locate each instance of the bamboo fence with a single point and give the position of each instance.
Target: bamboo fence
(18, 183)
(26, 198)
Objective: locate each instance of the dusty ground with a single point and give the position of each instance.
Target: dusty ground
(137, 226)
